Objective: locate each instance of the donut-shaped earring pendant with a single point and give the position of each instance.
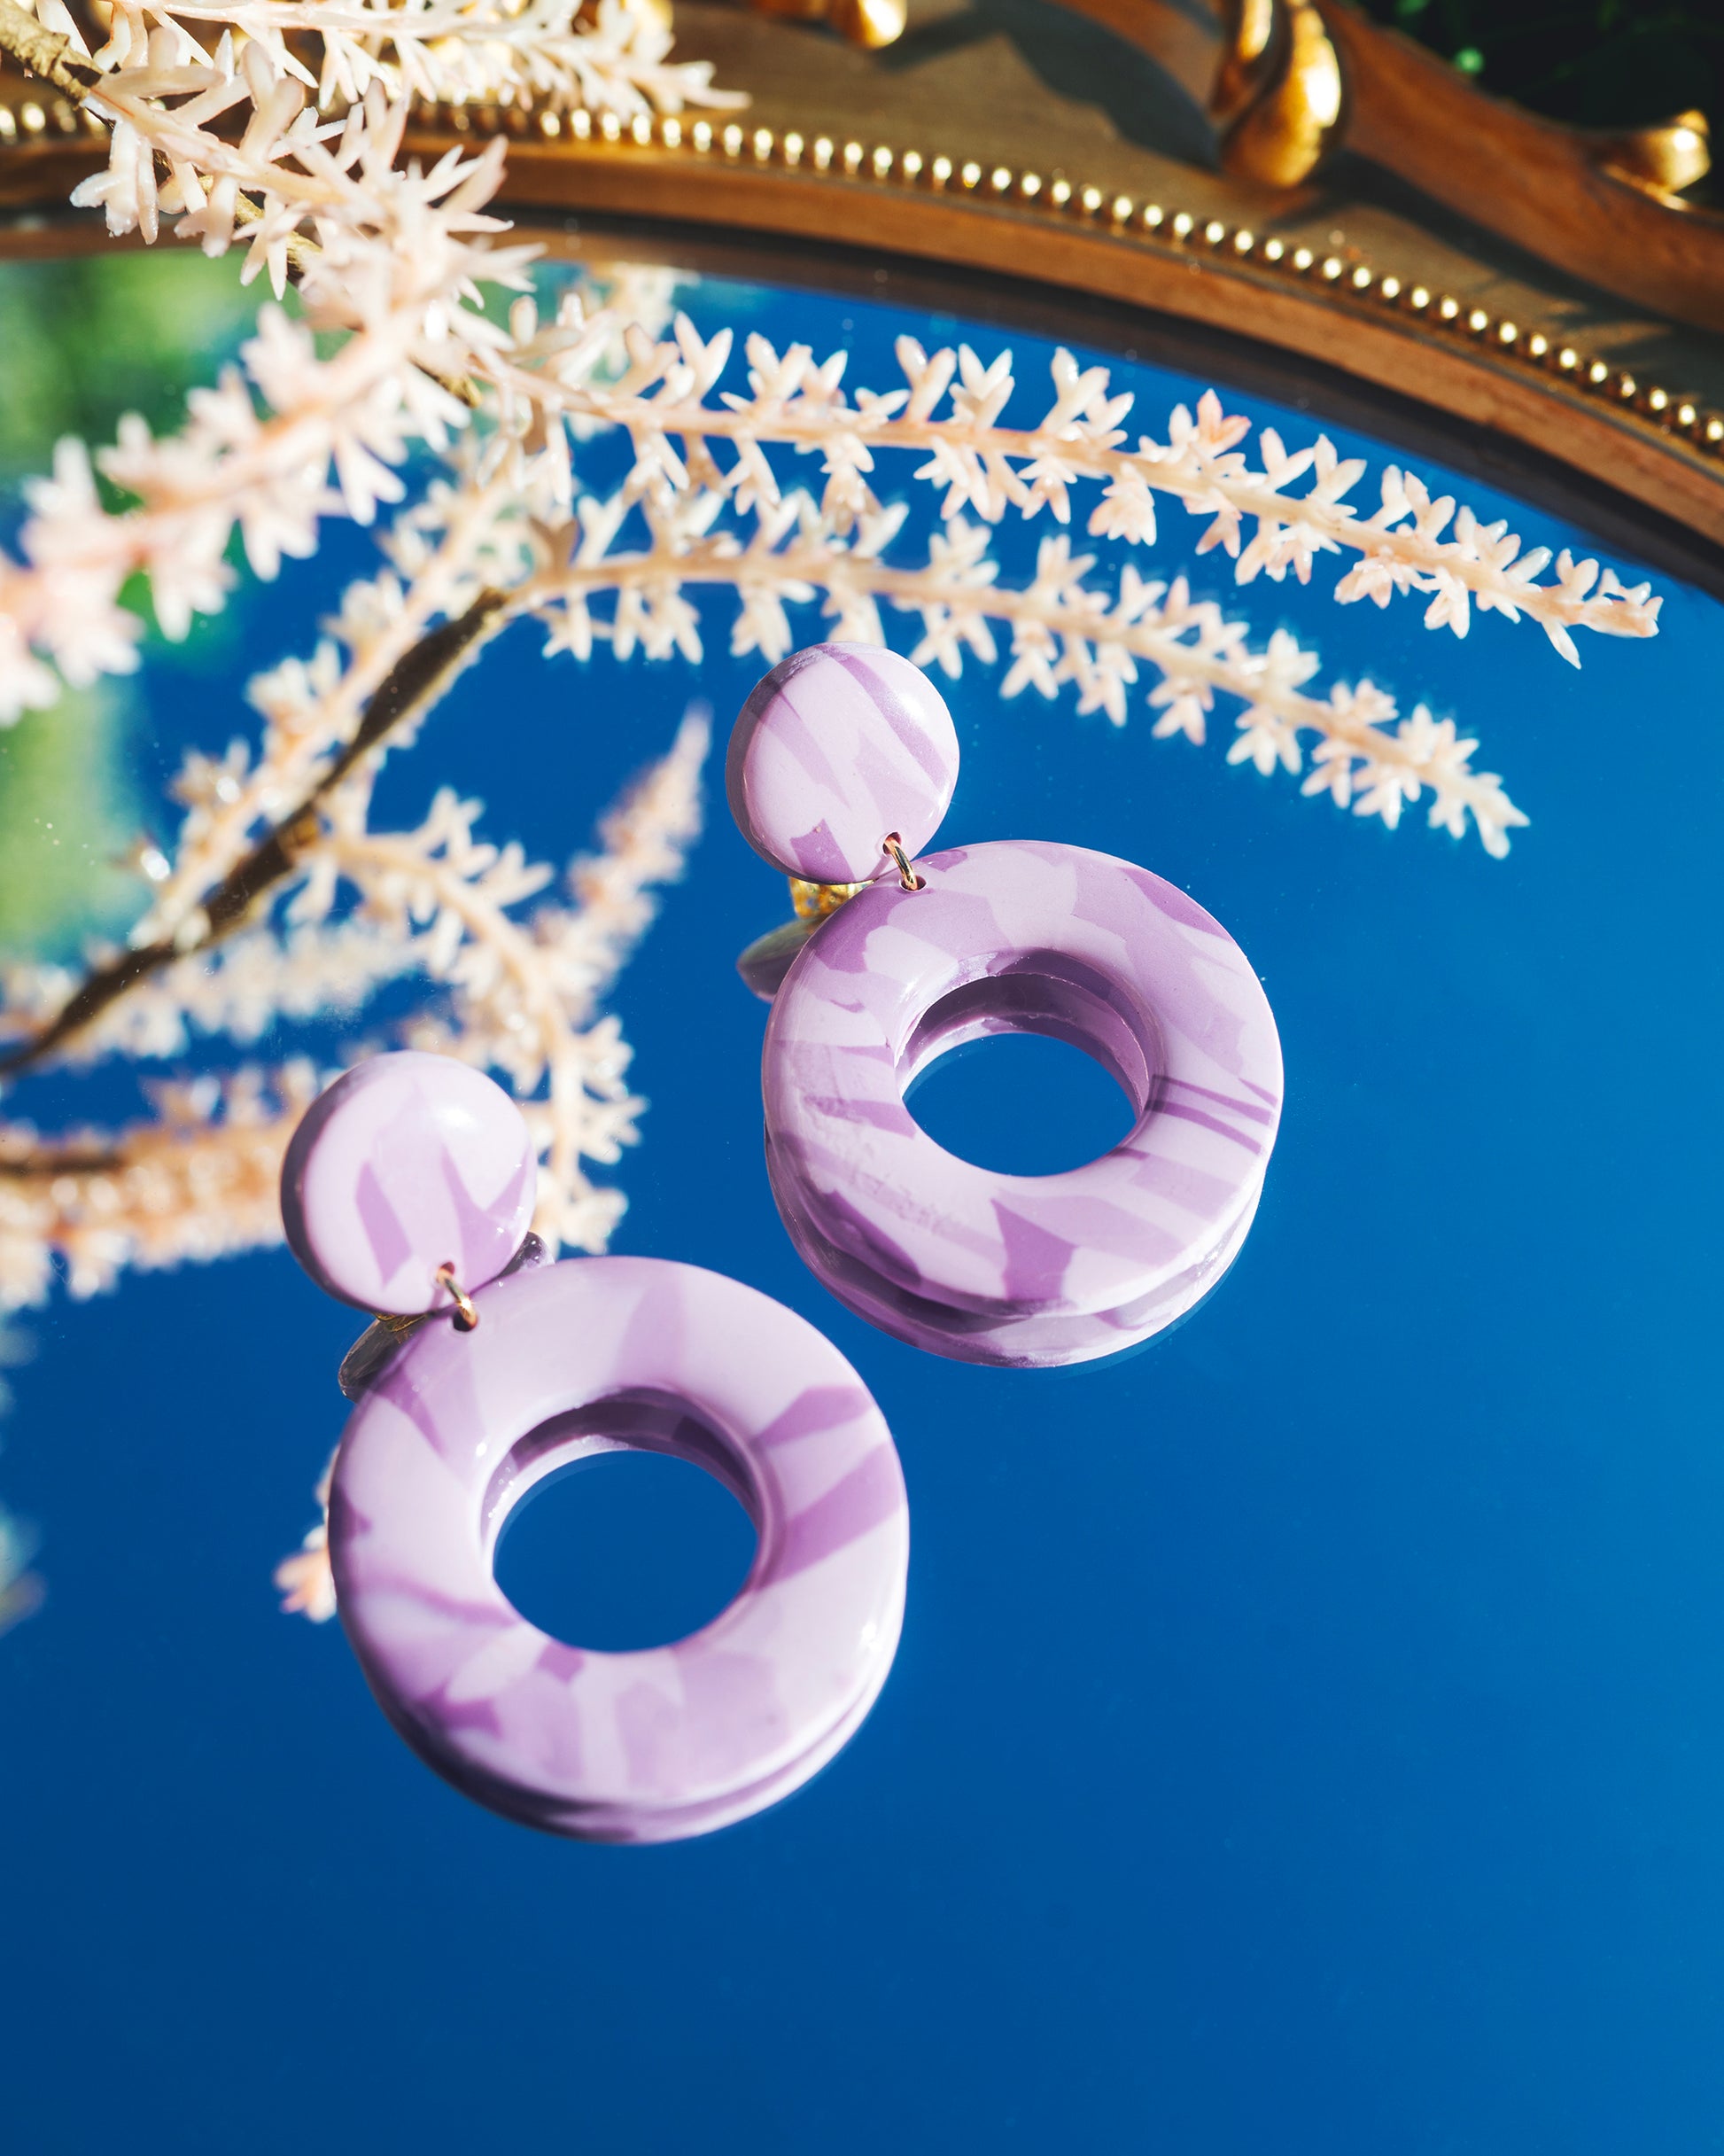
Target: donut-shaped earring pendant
(546, 1366)
(1027, 937)
(582, 1357)
(1021, 936)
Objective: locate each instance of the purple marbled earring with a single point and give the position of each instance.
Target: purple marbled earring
(1026, 937)
(407, 1164)
(837, 747)
(560, 1362)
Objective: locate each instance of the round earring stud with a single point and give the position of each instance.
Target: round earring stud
(411, 1172)
(844, 755)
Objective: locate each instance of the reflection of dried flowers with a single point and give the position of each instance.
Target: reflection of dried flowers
(199, 1179)
(394, 256)
(306, 1582)
(212, 126)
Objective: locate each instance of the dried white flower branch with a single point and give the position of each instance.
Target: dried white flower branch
(551, 54)
(353, 418)
(212, 126)
(397, 259)
(1058, 633)
(524, 992)
(199, 1181)
(470, 532)
(989, 467)
(202, 1179)
(238, 990)
(390, 258)
(313, 708)
(1060, 630)
(306, 1580)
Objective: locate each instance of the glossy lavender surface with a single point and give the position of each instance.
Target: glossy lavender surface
(1033, 938)
(406, 1163)
(581, 1358)
(839, 744)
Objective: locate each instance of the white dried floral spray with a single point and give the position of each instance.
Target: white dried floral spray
(277, 126)
(200, 1179)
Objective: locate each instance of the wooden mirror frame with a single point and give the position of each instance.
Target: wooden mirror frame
(1031, 162)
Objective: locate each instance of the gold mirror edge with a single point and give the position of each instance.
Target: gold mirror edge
(1362, 318)
(1528, 382)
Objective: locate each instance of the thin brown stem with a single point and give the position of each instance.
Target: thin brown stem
(412, 686)
(45, 52)
(50, 1161)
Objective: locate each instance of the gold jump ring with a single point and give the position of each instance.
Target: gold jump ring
(466, 1316)
(908, 880)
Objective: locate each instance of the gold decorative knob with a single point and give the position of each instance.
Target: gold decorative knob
(1278, 95)
(868, 23)
(1662, 160)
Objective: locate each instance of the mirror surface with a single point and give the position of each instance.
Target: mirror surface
(1307, 1734)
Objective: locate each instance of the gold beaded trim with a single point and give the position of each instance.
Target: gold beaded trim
(1177, 230)
(29, 123)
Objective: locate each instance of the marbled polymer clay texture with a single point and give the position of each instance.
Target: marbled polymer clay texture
(575, 1357)
(836, 747)
(406, 1163)
(1020, 1270)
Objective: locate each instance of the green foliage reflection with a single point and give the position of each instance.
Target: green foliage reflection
(82, 342)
